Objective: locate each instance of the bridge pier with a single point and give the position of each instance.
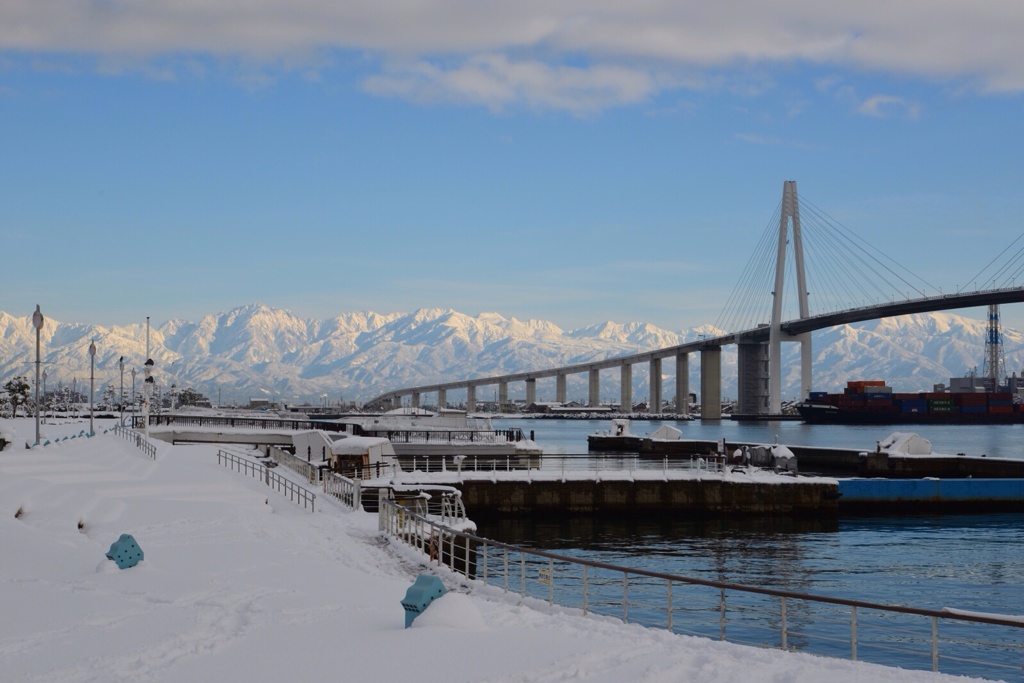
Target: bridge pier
(683, 383)
(502, 396)
(560, 387)
(442, 399)
(752, 378)
(470, 398)
(711, 383)
(531, 391)
(594, 395)
(806, 357)
(415, 399)
(654, 405)
(626, 389)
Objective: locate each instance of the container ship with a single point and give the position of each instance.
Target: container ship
(872, 402)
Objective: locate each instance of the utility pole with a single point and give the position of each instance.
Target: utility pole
(37, 322)
(92, 384)
(120, 398)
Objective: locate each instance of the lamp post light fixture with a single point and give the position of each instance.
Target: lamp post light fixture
(37, 322)
(92, 382)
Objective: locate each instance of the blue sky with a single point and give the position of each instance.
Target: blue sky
(578, 163)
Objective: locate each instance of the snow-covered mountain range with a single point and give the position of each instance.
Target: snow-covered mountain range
(255, 351)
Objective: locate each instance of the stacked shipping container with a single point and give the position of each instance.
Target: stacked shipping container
(873, 399)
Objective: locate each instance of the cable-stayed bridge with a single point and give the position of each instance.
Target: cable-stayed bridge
(847, 272)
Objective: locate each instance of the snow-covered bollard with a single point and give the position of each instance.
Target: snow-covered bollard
(420, 594)
(125, 552)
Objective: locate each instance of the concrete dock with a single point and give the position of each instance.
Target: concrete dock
(692, 498)
(641, 492)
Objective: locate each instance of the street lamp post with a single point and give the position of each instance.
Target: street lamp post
(147, 392)
(133, 397)
(37, 322)
(170, 409)
(92, 382)
(120, 398)
(44, 392)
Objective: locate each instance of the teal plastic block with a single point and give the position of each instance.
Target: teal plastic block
(125, 552)
(421, 593)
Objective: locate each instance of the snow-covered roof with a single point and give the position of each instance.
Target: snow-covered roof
(358, 445)
(905, 443)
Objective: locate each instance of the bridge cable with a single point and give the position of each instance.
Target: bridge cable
(741, 305)
(868, 252)
(1011, 262)
(852, 272)
(842, 269)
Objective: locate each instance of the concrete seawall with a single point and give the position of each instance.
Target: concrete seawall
(694, 497)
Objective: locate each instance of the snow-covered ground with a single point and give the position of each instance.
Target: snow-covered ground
(238, 584)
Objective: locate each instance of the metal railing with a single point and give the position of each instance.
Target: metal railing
(140, 441)
(348, 491)
(441, 505)
(294, 492)
(564, 463)
(449, 436)
(375, 470)
(510, 435)
(970, 643)
(307, 469)
(245, 422)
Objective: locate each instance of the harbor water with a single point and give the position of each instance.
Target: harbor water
(967, 562)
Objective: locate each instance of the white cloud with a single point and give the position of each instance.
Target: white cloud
(517, 51)
(497, 82)
(884, 106)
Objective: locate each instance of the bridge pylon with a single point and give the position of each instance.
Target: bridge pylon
(790, 217)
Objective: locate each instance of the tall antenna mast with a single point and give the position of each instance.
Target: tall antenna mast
(994, 368)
